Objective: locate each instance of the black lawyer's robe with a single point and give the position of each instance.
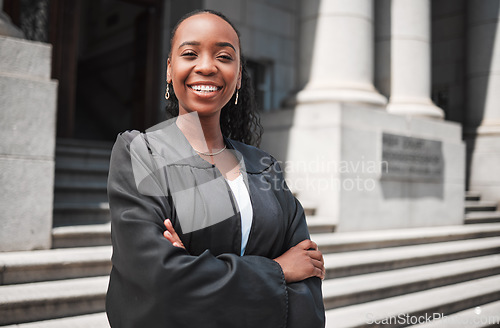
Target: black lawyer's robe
(154, 284)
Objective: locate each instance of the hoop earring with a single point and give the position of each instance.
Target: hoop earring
(236, 100)
(167, 94)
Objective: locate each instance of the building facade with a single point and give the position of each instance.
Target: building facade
(383, 112)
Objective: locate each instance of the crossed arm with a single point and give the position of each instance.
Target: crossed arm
(298, 263)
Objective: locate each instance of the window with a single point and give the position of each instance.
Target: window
(262, 77)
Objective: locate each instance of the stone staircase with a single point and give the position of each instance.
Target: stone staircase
(371, 276)
(65, 286)
(477, 211)
(411, 272)
(80, 195)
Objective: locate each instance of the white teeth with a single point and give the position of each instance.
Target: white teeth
(204, 88)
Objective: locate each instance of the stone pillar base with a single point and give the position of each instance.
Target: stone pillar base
(360, 95)
(416, 108)
(27, 131)
(334, 158)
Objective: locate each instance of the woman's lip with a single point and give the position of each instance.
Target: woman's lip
(204, 85)
(204, 94)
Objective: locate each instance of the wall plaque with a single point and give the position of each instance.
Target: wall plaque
(409, 158)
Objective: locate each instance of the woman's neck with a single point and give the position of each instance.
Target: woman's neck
(203, 133)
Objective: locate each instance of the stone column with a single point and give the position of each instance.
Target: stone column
(6, 26)
(336, 52)
(483, 97)
(411, 60)
(27, 143)
(332, 142)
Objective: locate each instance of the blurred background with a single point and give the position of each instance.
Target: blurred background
(384, 113)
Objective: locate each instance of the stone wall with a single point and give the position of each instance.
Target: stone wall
(335, 161)
(27, 134)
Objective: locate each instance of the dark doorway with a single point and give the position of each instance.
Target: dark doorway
(117, 68)
(105, 57)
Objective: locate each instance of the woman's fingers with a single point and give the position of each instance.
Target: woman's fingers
(312, 249)
(317, 255)
(319, 269)
(171, 235)
(319, 273)
(169, 226)
(307, 245)
(178, 241)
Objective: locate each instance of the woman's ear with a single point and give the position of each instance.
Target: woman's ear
(169, 71)
(238, 84)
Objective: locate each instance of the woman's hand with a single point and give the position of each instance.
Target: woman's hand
(171, 235)
(301, 262)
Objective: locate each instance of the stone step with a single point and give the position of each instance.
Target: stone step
(70, 213)
(95, 320)
(369, 261)
(53, 299)
(77, 154)
(363, 240)
(81, 235)
(86, 154)
(81, 186)
(475, 206)
(82, 192)
(78, 173)
(409, 307)
(77, 161)
(87, 235)
(309, 208)
(99, 234)
(320, 224)
(482, 217)
(472, 195)
(85, 144)
(485, 315)
(54, 264)
(369, 287)
(84, 165)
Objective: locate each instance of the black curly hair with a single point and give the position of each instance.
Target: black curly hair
(239, 122)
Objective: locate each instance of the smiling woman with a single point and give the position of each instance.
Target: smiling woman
(203, 236)
(204, 65)
(239, 119)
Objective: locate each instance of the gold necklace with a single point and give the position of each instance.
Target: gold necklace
(211, 154)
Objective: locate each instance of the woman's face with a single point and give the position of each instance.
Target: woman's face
(204, 67)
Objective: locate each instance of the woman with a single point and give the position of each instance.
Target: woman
(205, 232)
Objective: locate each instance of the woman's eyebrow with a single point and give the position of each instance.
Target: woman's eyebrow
(189, 43)
(225, 44)
(197, 43)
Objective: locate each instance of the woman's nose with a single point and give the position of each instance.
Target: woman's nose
(206, 66)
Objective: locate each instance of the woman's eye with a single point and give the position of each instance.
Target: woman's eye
(226, 57)
(188, 54)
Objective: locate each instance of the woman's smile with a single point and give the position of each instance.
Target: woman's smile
(204, 90)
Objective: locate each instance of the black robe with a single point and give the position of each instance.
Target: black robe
(155, 284)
